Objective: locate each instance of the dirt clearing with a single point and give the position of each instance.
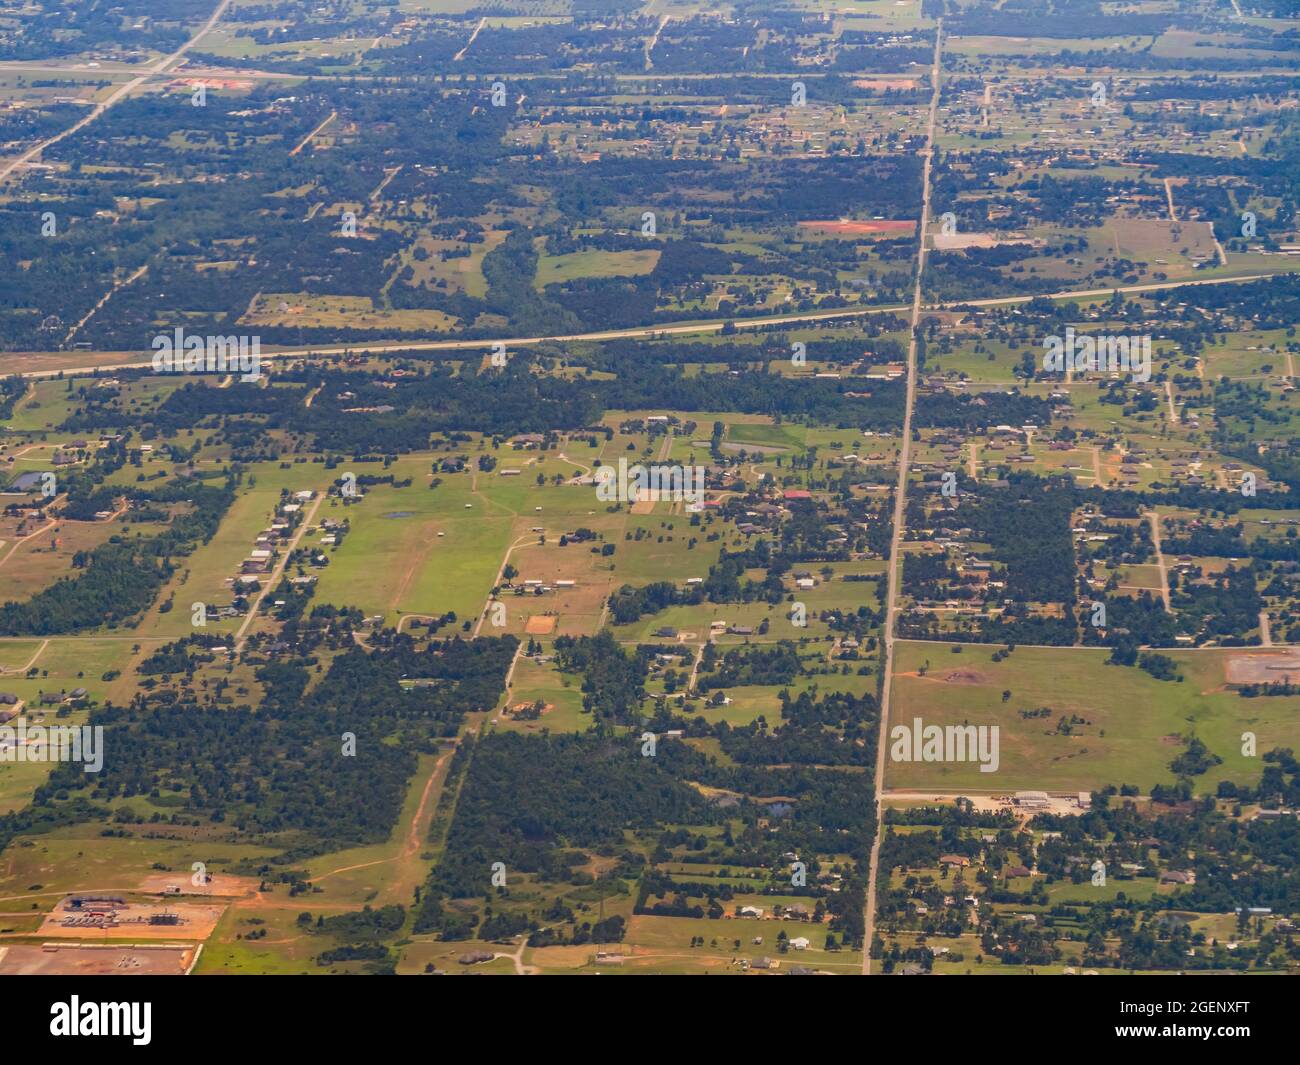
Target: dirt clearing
(1263, 669)
(964, 676)
(851, 228)
(69, 959)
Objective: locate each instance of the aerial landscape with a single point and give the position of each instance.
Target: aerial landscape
(647, 487)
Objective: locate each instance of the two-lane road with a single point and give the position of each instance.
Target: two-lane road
(160, 66)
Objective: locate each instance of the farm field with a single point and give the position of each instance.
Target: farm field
(1134, 724)
(512, 491)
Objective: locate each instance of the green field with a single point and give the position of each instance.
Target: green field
(1134, 721)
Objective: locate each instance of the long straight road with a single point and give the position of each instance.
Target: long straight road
(161, 66)
(900, 504)
(135, 361)
(274, 577)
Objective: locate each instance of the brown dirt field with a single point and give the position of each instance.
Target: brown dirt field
(1059, 805)
(187, 84)
(953, 241)
(643, 506)
(964, 676)
(1262, 668)
(850, 228)
(576, 609)
(515, 708)
(883, 84)
(540, 625)
(83, 960)
(220, 884)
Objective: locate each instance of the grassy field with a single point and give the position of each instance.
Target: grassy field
(1135, 724)
(555, 268)
(416, 551)
(61, 664)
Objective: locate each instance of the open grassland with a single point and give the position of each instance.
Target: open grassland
(1135, 725)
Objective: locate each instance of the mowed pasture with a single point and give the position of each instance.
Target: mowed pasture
(1133, 725)
(18, 653)
(47, 404)
(61, 663)
(338, 312)
(749, 702)
(836, 594)
(418, 550)
(556, 268)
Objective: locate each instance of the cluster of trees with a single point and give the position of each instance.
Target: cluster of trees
(529, 801)
(613, 681)
(50, 29)
(833, 729)
(752, 664)
(308, 770)
(541, 804)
